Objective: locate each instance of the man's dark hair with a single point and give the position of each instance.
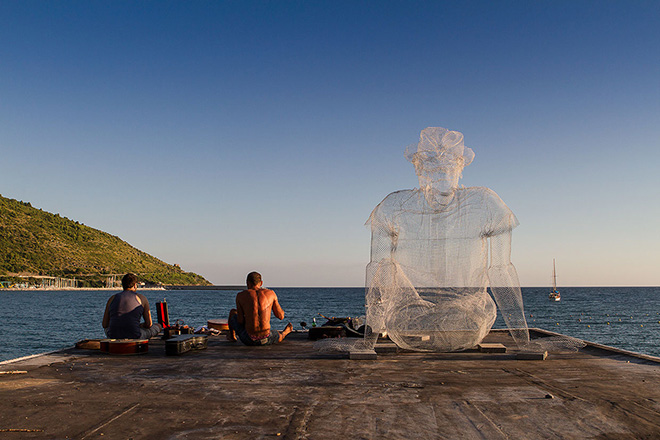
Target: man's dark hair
(129, 281)
(253, 279)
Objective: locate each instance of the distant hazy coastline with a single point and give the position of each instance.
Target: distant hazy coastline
(82, 289)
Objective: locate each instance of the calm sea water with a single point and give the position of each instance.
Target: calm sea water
(35, 322)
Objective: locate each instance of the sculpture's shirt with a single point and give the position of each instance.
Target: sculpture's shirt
(428, 276)
(440, 248)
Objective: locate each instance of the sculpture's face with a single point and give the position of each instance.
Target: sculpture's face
(439, 158)
(438, 179)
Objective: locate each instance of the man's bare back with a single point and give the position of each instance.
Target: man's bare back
(254, 307)
(251, 318)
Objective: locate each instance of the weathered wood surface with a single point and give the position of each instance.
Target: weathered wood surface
(290, 391)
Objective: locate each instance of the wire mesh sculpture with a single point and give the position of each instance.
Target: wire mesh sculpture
(430, 268)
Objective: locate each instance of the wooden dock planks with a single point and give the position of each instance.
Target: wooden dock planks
(233, 391)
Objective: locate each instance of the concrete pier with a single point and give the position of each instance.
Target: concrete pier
(291, 391)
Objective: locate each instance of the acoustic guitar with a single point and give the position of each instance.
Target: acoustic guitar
(124, 346)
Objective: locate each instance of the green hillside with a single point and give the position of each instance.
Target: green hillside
(35, 242)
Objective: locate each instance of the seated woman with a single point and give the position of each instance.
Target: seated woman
(121, 319)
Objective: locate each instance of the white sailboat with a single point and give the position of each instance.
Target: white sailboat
(554, 295)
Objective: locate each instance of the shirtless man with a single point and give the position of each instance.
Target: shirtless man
(124, 310)
(250, 320)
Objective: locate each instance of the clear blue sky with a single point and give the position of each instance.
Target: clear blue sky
(236, 136)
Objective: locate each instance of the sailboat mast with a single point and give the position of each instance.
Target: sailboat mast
(554, 276)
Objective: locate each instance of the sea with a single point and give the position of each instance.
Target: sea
(33, 322)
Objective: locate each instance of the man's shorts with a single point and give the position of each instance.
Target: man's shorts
(245, 338)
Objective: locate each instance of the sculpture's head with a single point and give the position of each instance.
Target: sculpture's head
(439, 158)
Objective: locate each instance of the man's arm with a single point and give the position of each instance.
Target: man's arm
(240, 312)
(106, 315)
(146, 314)
(277, 309)
(505, 285)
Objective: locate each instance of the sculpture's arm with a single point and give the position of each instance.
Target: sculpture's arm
(380, 274)
(376, 288)
(384, 240)
(505, 286)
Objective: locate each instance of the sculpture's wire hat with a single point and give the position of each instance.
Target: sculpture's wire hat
(439, 150)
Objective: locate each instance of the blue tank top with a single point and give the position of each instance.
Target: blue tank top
(125, 314)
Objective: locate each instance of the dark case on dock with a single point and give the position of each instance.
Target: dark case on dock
(184, 343)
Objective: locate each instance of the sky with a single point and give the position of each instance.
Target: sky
(231, 136)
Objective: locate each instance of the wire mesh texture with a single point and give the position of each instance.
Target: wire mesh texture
(434, 253)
